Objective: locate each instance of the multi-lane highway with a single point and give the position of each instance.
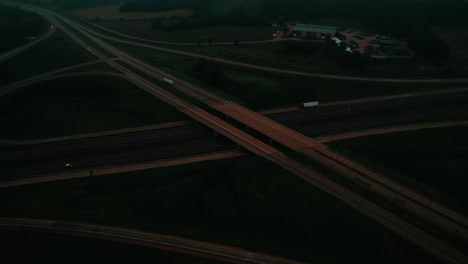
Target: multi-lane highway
(91, 151)
(404, 198)
(399, 195)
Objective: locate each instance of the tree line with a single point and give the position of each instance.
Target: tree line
(235, 17)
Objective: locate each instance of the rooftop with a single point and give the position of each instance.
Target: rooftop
(314, 28)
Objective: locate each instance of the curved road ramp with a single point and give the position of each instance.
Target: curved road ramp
(145, 239)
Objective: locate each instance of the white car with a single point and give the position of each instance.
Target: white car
(68, 165)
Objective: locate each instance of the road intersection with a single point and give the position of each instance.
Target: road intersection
(409, 200)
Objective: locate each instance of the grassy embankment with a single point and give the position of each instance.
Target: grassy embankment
(246, 202)
(18, 27)
(432, 161)
(142, 29)
(259, 90)
(54, 53)
(25, 247)
(81, 104)
(97, 67)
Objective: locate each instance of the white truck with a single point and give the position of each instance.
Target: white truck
(169, 81)
(310, 104)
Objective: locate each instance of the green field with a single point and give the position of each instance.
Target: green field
(142, 29)
(97, 67)
(246, 202)
(18, 26)
(81, 104)
(56, 52)
(259, 90)
(432, 161)
(315, 57)
(26, 247)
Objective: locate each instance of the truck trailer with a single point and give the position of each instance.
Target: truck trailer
(310, 104)
(169, 81)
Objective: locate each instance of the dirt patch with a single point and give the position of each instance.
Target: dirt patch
(112, 12)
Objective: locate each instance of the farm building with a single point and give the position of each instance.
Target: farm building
(314, 31)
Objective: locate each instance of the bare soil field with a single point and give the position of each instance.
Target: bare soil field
(112, 12)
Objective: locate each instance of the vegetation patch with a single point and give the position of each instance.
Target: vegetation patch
(246, 202)
(113, 12)
(56, 52)
(150, 29)
(18, 27)
(432, 161)
(76, 105)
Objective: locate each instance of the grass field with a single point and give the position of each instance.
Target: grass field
(75, 105)
(142, 29)
(25, 247)
(246, 202)
(221, 7)
(319, 57)
(56, 52)
(432, 161)
(98, 67)
(269, 54)
(262, 91)
(112, 12)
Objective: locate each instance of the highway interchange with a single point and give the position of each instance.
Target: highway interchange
(264, 136)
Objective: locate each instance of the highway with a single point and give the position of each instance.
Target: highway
(364, 177)
(12, 53)
(389, 190)
(185, 138)
(145, 239)
(82, 171)
(435, 213)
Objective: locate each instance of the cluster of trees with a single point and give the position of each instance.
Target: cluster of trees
(200, 6)
(235, 17)
(74, 4)
(16, 25)
(303, 9)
